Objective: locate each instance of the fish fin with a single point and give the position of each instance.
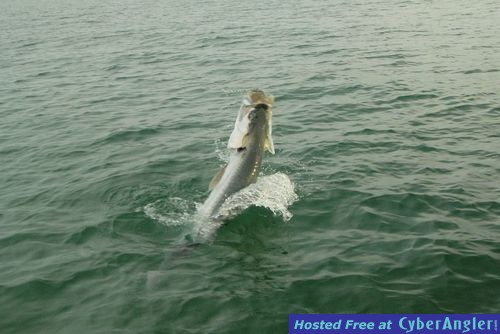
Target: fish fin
(268, 145)
(216, 178)
(245, 141)
(268, 141)
(236, 139)
(241, 129)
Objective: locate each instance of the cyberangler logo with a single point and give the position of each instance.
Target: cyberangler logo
(446, 324)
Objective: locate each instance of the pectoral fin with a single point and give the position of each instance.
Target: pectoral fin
(241, 129)
(216, 178)
(268, 141)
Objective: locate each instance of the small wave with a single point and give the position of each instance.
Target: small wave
(477, 70)
(129, 135)
(413, 97)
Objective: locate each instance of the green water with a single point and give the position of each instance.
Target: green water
(114, 117)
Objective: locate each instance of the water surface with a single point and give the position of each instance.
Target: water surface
(114, 118)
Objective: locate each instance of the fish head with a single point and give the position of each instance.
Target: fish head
(254, 121)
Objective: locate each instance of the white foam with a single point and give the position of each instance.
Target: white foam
(222, 152)
(275, 192)
(173, 211)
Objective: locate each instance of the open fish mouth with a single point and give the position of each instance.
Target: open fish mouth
(255, 100)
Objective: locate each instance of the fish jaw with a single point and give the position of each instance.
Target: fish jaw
(255, 103)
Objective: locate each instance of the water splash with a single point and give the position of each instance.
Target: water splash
(221, 150)
(173, 211)
(275, 192)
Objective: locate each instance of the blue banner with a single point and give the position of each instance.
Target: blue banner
(394, 323)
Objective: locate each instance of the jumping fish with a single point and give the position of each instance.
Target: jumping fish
(249, 140)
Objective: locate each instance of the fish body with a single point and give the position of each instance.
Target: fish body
(249, 140)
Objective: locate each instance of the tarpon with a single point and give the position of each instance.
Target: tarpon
(249, 140)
